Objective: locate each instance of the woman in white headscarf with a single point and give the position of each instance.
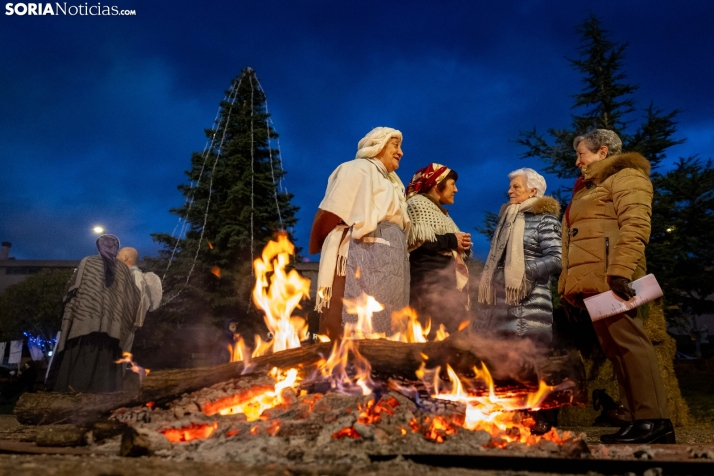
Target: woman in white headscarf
(360, 230)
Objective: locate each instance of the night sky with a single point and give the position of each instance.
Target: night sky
(100, 115)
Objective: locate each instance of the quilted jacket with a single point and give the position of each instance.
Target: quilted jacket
(533, 317)
(607, 226)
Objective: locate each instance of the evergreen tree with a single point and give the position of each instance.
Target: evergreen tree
(681, 248)
(233, 208)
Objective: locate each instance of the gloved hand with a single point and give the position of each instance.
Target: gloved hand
(621, 287)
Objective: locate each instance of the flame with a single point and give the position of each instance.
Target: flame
(239, 351)
(216, 271)
(210, 245)
(257, 399)
(189, 433)
(363, 306)
(126, 357)
(409, 329)
(441, 333)
(501, 416)
(335, 368)
(278, 293)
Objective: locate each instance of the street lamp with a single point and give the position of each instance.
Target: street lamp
(98, 230)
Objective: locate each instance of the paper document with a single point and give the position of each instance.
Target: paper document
(608, 304)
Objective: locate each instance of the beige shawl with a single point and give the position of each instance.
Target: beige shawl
(508, 237)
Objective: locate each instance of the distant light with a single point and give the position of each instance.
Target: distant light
(98, 229)
(49, 354)
(670, 229)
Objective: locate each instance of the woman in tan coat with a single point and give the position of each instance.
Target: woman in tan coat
(605, 230)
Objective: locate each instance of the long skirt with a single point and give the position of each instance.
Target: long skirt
(87, 364)
(378, 265)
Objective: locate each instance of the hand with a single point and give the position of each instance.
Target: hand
(621, 287)
(463, 241)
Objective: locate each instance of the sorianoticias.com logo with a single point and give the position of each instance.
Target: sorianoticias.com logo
(62, 8)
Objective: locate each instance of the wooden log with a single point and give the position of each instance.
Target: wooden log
(387, 358)
(62, 435)
(42, 408)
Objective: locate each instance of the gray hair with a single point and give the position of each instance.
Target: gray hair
(597, 138)
(533, 180)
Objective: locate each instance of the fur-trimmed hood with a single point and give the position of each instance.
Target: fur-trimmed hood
(542, 206)
(602, 169)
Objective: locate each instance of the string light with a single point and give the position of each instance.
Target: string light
(45, 344)
(231, 99)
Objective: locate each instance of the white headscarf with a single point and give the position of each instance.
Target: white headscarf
(373, 143)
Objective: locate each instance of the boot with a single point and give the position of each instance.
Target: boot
(624, 429)
(658, 431)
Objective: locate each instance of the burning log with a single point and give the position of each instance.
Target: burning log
(387, 358)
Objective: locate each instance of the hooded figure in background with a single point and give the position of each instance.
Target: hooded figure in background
(101, 305)
(360, 230)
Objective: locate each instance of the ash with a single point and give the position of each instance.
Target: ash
(330, 429)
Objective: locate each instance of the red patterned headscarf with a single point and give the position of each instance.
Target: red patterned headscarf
(426, 178)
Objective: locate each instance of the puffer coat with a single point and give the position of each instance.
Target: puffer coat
(606, 226)
(533, 317)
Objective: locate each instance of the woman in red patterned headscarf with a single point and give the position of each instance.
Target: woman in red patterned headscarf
(439, 278)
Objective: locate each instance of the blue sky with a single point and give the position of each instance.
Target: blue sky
(100, 115)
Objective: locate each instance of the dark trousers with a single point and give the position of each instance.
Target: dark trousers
(626, 345)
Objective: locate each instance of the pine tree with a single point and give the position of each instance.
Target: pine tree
(604, 103)
(681, 248)
(233, 208)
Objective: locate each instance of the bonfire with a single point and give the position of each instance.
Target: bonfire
(384, 393)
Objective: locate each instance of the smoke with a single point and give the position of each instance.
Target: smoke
(436, 297)
(516, 359)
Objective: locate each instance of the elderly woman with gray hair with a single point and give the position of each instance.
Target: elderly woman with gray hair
(515, 283)
(605, 229)
(525, 253)
(360, 230)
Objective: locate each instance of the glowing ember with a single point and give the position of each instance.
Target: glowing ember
(256, 400)
(278, 293)
(348, 432)
(370, 414)
(438, 428)
(190, 433)
(216, 271)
